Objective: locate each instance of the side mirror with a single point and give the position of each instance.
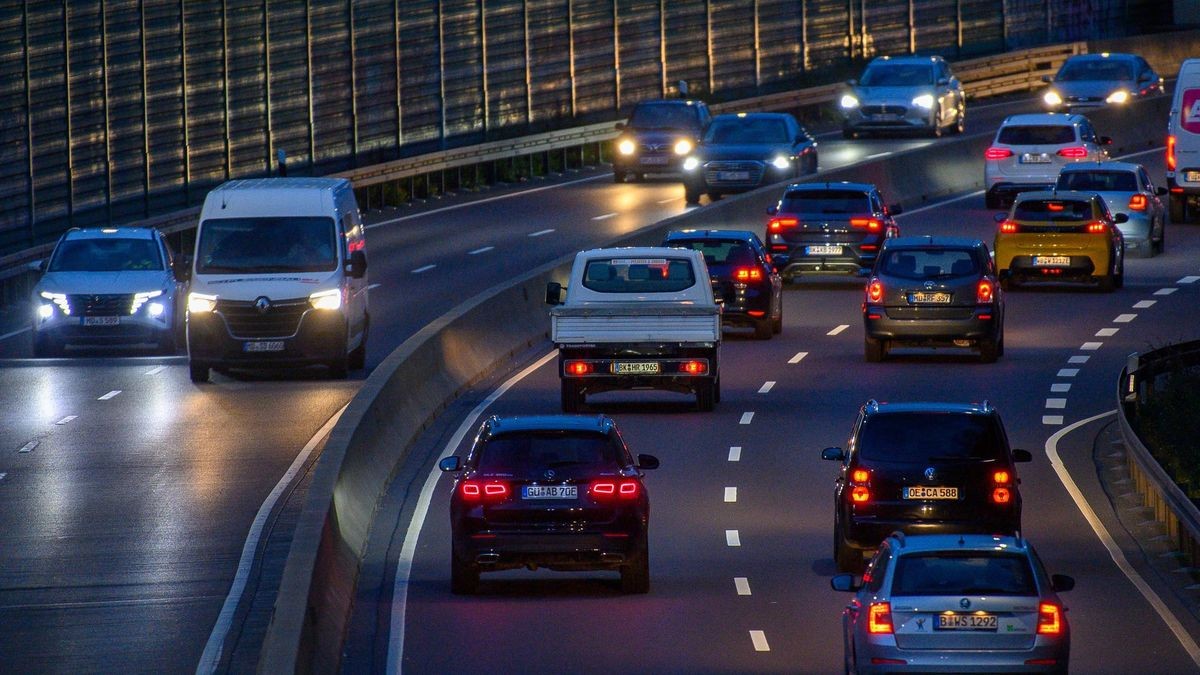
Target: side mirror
(1000, 217)
(356, 266)
(772, 210)
(449, 463)
(553, 293)
(895, 210)
(833, 454)
(1022, 455)
(852, 83)
(1105, 140)
(182, 267)
(1160, 191)
(943, 82)
(40, 265)
(619, 126)
(1061, 583)
(845, 583)
(1121, 218)
(1047, 79)
(647, 462)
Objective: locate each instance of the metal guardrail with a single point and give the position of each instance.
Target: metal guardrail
(1157, 489)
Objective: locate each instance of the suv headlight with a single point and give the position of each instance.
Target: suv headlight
(683, 146)
(1052, 98)
(924, 101)
(1119, 96)
(331, 299)
(626, 146)
(140, 299)
(59, 299)
(199, 303)
(781, 162)
(848, 101)
(690, 164)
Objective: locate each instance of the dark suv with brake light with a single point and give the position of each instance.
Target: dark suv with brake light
(923, 468)
(829, 228)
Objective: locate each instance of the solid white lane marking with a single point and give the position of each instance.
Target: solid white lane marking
(759, 639)
(798, 357)
(668, 201)
(1058, 403)
(1052, 420)
(1144, 304)
(372, 287)
(1165, 291)
(1107, 332)
(15, 333)
(1060, 387)
(66, 420)
(413, 532)
(1188, 280)
(1068, 372)
(730, 495)
(477, 251)
(1124, 318)
(426, 268)
(155, 370)
(732, 538)
(746, 417)
(735, 453)
(28, 447)
(540, 233)
(839, 329)
(2, 475)
(1079, 359)
(878, 155)
(767, 386)
(211, 658)
(604, 217)
(1091, 346)
(1114, 551)
(112, 394)
(742, 584)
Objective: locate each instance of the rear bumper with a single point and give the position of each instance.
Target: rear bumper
(796, 263)
(1177, 187)
(934, 330)
(1051, 655)
(1083, 267)
(320, 338)
(597, 549)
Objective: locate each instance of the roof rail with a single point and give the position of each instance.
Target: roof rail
(898, 535)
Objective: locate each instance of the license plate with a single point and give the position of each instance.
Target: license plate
(966, 622)
(1192, 176)
(1051, 260)
(924, 492)
(102, 321)
(549, 492)
(653, 160)
(635, 368)
(733, 175)
(263, 346)
(822, 250)
(937, 298)
(885, 117)
(1032, 158)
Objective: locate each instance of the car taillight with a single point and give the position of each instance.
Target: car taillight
(984, 292)
(1049, 619)
(1009, 227)
(875, 291)
(1097, 227)
(1001, 477)
(860, 492)
(694, 367)
(748, 274)
(474, 490)
(1073, 152)
(997, 153)
(577, 368)
(860, 475)
(1170, 153)
(1002, 492)
(779, 224)
(1138, 203)
(614, 489)
(869, 224)
(879, 618)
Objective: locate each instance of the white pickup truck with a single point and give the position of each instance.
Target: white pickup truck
(637, 318)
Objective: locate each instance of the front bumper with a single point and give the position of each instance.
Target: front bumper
(875, 117)
(721, 177)
(667, 162)
(319, 339)
(133, 330)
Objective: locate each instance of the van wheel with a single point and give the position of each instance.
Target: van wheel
(705, 395)
(572, 397)
(874, 350)
(358, 355)
(198, 371)
(635, 573)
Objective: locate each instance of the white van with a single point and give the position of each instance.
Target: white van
(278, 278)
(1183, 145)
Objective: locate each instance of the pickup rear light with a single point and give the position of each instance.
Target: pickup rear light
(879, 618)
(1073, 152)
(1050, 619)
(984, 292)
(1097, 227)
(1009, 227)
(1138, 203)
(614, 489)
(869, 224)
(780, 224)
(1170, 153)
(577, 368)
(875, 291)
(473, 490)
(997, 153)
(694, 367)
(748, 274)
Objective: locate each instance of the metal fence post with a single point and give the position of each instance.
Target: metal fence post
(67, 111)
(108, 157)
(31, 188)
(483, 60)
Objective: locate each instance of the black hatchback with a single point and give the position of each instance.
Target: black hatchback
(749, 289)
(554, 491)
(923, 468)
(934, 292)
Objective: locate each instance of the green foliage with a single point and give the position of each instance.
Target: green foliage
(1167, 424)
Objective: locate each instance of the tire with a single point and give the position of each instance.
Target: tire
(1119, 281)
(873, 350)
(848, 134)
(705, 395)
(845, 557)
(1157, 247)
(358, 355)
(690, 195)
(571, 397)
(464, 577)
(198, 371)
(714, 196)
(764, 329)
(1107, 283)
(635, 573)
(618, 176)
(1008, 283)
(989, 351)
(936, 130)
(339, 369)
(1178, 208)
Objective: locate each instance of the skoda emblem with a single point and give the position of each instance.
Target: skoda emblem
(929, 285)
(262, 304)
(549, 474)
(930, 473)
(964, 603)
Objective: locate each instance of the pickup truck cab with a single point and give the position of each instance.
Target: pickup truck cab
(637, 318)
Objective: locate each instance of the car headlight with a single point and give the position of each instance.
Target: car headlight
(848, 101)
(781, 162)
(199, 303)
(331, 299)
(683, 146)
(140, 299)
(626, 146)
(59, 299)
(45, 311)
(1119, 96)
(924, 101)
(156, 309)
(690, 164)
(1052, 98)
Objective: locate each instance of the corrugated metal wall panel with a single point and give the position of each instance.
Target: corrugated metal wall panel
(595, 74)
(14, 137)
(830, 39)
(734, 48)
(164, 106)
(505, 52)
(885, 27)
(463, 48)
(687, 45)
(781, 42)
(332, 95)
(375, 78)
(249, 141)
(420, 80)
(290, 101)
(126, 114)
(204, 63)
(550, 54)
(982, 28)
(640, 29)
(89, 108)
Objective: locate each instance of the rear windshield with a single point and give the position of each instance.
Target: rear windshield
(1063, 209)
(106, 255)
(826, 201)
(1101, 181)
(664, 116)
(747, 131)
(638, 275)
(1042, 134)
(897, 75)
(719, 251)
(525, 452)
(926, 437)
(929, 263)
(964, 573)
(1095, 70)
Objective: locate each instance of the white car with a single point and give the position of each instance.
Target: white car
(1029, 150)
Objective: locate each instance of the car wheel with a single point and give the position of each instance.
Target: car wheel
(1159, 245)
(1008, 283)
(714, 196)
(635, 573)
(848, 134)
(572, 397)
(705, 395)
(45, 348)
(873, 350)
(358, 355)
(1107, 283)
(618, 176)
(935, 130)
(198, 371)
(764, 329)
(464, 576)
(1119, 281)
(691, 195)
(1178, 207)
(846, 557)
(989, 350)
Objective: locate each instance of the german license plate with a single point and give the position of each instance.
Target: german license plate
(733, 175)
(636, 368)
(1051, 260)
(925, 492)
(936, 298)
(549, 492)
(1035, 158)
(1192, 176)
(966, 622)
(102, 321)
(823, 250)
(653, 160)
(263, 346)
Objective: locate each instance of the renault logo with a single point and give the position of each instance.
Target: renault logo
(930, 473)
(262, 304)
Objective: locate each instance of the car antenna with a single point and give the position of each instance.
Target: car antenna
(961, 541)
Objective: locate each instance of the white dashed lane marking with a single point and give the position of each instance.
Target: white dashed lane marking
(730, 495)
(759, 639)
(1056, 403)
(421, 270)
(1060, 387)
(66, 420)
(732, 538)
(1052, 419)
(28, 447)
(112, 394)
(1107, 332)
(1144, 304)
(1091, 346)
(1078, 359)
(372, 287)
(1068, 372)
(668, 201)
(767, 386)
(477, 251)
(1188, 280)
(604, 217)
(735, 453)
(742, 584)
(540, 233)
(1124, 318)
(156, 370)
(1165, 291)
(746, 418)
(839, 329)
(798, 357)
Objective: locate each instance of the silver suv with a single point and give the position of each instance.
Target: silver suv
(1029, 150)
(903, 93)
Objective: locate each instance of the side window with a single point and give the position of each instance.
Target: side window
(1086, 134)
(1144, 180)
(877, 569)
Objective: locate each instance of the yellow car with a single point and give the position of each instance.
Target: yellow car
(1060, 236)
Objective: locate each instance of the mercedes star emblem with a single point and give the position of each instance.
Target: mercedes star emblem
(549, 474)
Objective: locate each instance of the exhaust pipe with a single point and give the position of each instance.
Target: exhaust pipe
(487, 558)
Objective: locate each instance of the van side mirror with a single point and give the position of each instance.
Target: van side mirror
(553, 293)
(449, 463)
(943, 82)
(356, 266)
(1121, 218)
(833, 454)
(647, 462)
(1022, 455)
(1061, 583)
(845, 583)
(182, 267)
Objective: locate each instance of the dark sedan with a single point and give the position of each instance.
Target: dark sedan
(743, 151)
(1089, 81)
(749, 289)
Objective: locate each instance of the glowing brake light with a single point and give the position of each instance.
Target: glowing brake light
(1096, 227)
(860, 475)
(1050, 620)
(578, 368)
(875, 291)
(748, 274)
(477, 490)
(1001, 477)
(1054, 206)
(694, 367)
(778, 224)
(997, 153)
(1138, 203)
(984, 292)
(871, 224)
(610, 489)
(1001, 495)
(1170, 153)
(860, 494)
(879, 618)
(1009, 227)
(1073, 152)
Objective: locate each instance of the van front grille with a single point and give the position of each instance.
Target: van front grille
(246, 320)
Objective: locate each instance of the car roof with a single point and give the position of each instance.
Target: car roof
(1042, 119)
(836, 185)
(873, 407)
(745, 235)
(110, 233)
(282, 184)
(670, 101)
(928, 240)
(922, 543)
(905, 58)
(1107, 166)
(752, 116)
(1102, 56)
(1050, 195)
(601, 424)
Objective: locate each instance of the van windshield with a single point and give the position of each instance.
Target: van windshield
(273, 244)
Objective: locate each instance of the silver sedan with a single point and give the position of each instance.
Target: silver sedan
(1126, 188)
(903, 93)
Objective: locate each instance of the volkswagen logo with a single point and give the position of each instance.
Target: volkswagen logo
(929, 285)
(930, 473)
(262, 304)
(964, 603)
(549, 475)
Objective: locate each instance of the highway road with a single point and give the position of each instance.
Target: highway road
(121, 528)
